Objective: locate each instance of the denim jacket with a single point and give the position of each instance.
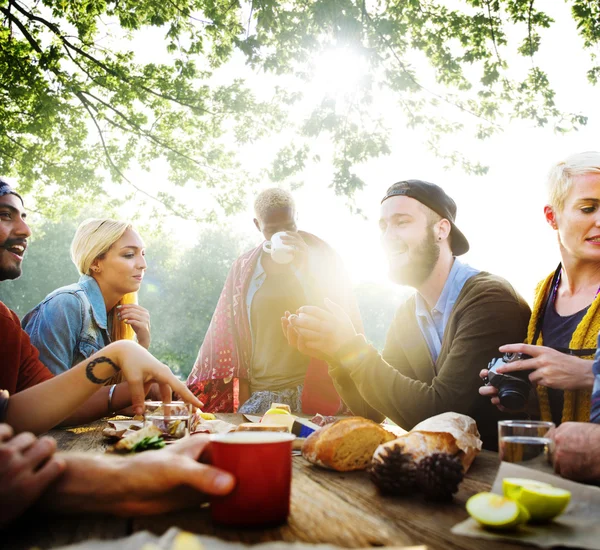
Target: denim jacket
(69, 325)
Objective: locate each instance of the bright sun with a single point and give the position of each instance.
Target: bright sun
(338, 70)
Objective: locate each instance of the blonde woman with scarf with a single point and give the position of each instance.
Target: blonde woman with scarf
(75, 321)
(565, 322)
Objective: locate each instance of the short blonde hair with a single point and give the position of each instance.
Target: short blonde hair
(561, 175)
(93, 239)
(272, 198)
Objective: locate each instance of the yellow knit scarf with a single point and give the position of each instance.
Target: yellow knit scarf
(577, 404)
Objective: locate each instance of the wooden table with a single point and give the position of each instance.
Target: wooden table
(327, 507)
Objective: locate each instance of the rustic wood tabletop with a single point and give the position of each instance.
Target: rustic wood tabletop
(344, 509)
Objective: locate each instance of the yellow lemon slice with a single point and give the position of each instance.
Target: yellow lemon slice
(207, 416)
(544, 503)
(495, 511)
(512, 486)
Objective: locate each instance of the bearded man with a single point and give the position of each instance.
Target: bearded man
(441, 336)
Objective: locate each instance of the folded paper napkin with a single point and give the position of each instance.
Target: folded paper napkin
(577, 527)
(175, 539)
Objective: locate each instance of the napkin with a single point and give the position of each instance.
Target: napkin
(577, 527)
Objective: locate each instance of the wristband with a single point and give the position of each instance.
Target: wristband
(110, 398)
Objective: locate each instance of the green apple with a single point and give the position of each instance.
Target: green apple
(496, 512)
(544, 503)
(511, 486)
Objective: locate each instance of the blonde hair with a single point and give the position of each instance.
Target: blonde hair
(272, 198)
(561, 175)
(92, 240)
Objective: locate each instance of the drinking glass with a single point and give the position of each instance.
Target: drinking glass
(172, 419)
(526, 442)
(152, 406)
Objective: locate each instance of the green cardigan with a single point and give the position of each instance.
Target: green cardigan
(405, 385)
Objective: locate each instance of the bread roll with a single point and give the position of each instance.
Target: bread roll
(451, 433)
(345, 445)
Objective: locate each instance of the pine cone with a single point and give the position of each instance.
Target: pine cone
(439, 475)
(394, 472)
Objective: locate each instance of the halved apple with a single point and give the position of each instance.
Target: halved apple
(496, 512)
(542, 500)
(544, 503)
(511, 486)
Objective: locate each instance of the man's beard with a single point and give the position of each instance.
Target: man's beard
(8, 273)
(422, 261)
(12, 270)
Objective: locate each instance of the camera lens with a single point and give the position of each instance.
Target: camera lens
(512, 399)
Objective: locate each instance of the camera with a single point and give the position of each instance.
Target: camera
(513, 388)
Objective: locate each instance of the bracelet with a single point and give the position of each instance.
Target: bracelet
(110, 397)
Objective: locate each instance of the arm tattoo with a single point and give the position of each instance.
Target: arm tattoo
(89, 370)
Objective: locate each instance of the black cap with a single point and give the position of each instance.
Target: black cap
(6, 189)
(434, 197)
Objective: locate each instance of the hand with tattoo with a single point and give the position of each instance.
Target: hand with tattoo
(140, 369)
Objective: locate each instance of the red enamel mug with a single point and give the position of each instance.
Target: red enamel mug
(261, 463)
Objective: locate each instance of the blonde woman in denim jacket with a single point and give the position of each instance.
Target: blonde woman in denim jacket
(75, 321)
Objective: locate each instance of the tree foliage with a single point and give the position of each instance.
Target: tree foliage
(78, 103)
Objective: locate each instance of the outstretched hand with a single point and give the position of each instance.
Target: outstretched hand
(319, 331)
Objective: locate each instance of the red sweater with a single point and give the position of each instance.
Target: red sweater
(20, 367)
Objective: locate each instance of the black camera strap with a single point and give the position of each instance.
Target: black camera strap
(538, 327)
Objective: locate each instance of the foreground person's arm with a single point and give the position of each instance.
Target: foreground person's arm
(27, 468)
(152, 482)
(43, 406)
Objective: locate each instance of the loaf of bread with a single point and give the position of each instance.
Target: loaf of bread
(450, 433)
(345, 445)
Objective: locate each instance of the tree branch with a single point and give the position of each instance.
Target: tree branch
(106, 68)
(108, 156)
(33, 43)
(410, 76)
(489, 10)
(148, 135)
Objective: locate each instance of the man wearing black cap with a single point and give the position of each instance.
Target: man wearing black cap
(441, 336)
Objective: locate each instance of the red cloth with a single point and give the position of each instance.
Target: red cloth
(20, 367)
(224, 357)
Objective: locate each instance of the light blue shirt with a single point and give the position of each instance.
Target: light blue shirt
(433, 323)
(69, 325)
